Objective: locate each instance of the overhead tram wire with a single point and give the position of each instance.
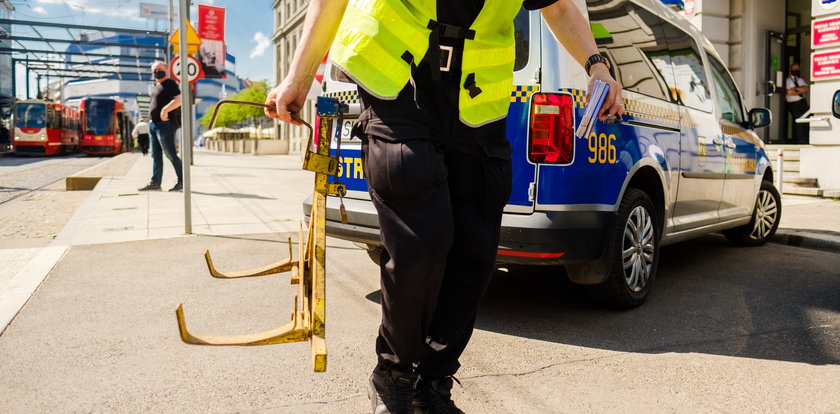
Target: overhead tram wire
(89, 63)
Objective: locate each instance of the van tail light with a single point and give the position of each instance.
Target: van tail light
(552, 139)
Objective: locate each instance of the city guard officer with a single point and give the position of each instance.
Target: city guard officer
(434, 79)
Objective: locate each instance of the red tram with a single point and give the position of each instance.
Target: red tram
(105, 127)
(45, 128)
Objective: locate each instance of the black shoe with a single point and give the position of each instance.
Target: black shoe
(178, 186)
(435, 396)
(391, 391)
(150, 187)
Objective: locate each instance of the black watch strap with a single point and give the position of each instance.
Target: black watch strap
(596, 58)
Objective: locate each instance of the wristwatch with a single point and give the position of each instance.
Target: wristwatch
(596, 58)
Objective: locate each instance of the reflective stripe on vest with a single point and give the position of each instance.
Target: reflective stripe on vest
(375, 35)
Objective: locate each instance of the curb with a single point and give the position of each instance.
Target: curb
(809, 240)
(89, 177)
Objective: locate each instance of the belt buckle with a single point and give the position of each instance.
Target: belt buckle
(445, 62)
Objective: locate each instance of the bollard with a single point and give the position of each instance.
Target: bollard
(780, 165)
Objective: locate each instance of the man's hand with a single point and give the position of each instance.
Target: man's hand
(288, 98)
(164, 115)
(613, 104)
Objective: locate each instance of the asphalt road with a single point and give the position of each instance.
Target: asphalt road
(726, 329)
(21, 175)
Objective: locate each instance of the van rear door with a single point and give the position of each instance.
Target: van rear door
(526, 78)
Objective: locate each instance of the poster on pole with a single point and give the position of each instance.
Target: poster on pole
(211, 30)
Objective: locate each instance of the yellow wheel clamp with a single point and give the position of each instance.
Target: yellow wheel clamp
(309, 271)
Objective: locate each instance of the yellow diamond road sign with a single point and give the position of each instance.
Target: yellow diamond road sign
(193, 41)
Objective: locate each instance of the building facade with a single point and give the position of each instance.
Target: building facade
(758, 39)
(761, 39)
(6, 74)
(133, 89)
(288, 28)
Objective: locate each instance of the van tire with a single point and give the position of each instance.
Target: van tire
(765, 219)
(628, 288)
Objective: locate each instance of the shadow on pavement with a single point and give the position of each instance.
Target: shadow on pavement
(236, 195)
(773, 302)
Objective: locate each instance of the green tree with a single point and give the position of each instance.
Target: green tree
(230, 114)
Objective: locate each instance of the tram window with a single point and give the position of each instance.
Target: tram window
(53, 118)
(629, 36)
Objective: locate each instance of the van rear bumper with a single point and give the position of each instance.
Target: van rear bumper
(540, 238)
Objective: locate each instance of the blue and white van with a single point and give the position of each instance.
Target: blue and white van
(685, 161)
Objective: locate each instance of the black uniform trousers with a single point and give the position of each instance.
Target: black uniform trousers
(800, 131)
(439, 188)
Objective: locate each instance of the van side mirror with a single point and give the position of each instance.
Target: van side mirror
(835, 104)
(760, 118)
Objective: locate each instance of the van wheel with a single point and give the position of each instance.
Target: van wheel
(632, 253)
(765, 219)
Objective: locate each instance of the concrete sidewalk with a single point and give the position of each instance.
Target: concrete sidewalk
(231, 194)
(810, 222)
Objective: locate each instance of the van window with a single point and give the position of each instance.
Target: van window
(691, 87)
(630, 37)
(522, 36)
(727, 94)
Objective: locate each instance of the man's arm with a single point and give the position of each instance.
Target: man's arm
(322, 20)
(573, 32)
(174, 104)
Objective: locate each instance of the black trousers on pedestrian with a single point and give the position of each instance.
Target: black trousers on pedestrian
(801, 132)
(143, 141)
(439, 188)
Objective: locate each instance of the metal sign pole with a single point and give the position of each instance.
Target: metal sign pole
(168, 46)
(186, 117)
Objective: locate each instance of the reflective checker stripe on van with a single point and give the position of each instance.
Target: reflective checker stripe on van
(348, 97)
(634, 108)
(519, 93)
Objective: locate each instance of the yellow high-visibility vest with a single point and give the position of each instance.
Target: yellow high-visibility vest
(380, 39)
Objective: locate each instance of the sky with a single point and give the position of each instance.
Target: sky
(249, 25)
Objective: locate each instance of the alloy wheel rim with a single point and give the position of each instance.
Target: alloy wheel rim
(766, 214)
(638, 249)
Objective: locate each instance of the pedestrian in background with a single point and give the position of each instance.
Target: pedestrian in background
(797, 105)
(141, 134)
(436, 159)
(166, 115)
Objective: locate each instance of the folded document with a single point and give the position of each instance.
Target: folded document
(593, 107)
